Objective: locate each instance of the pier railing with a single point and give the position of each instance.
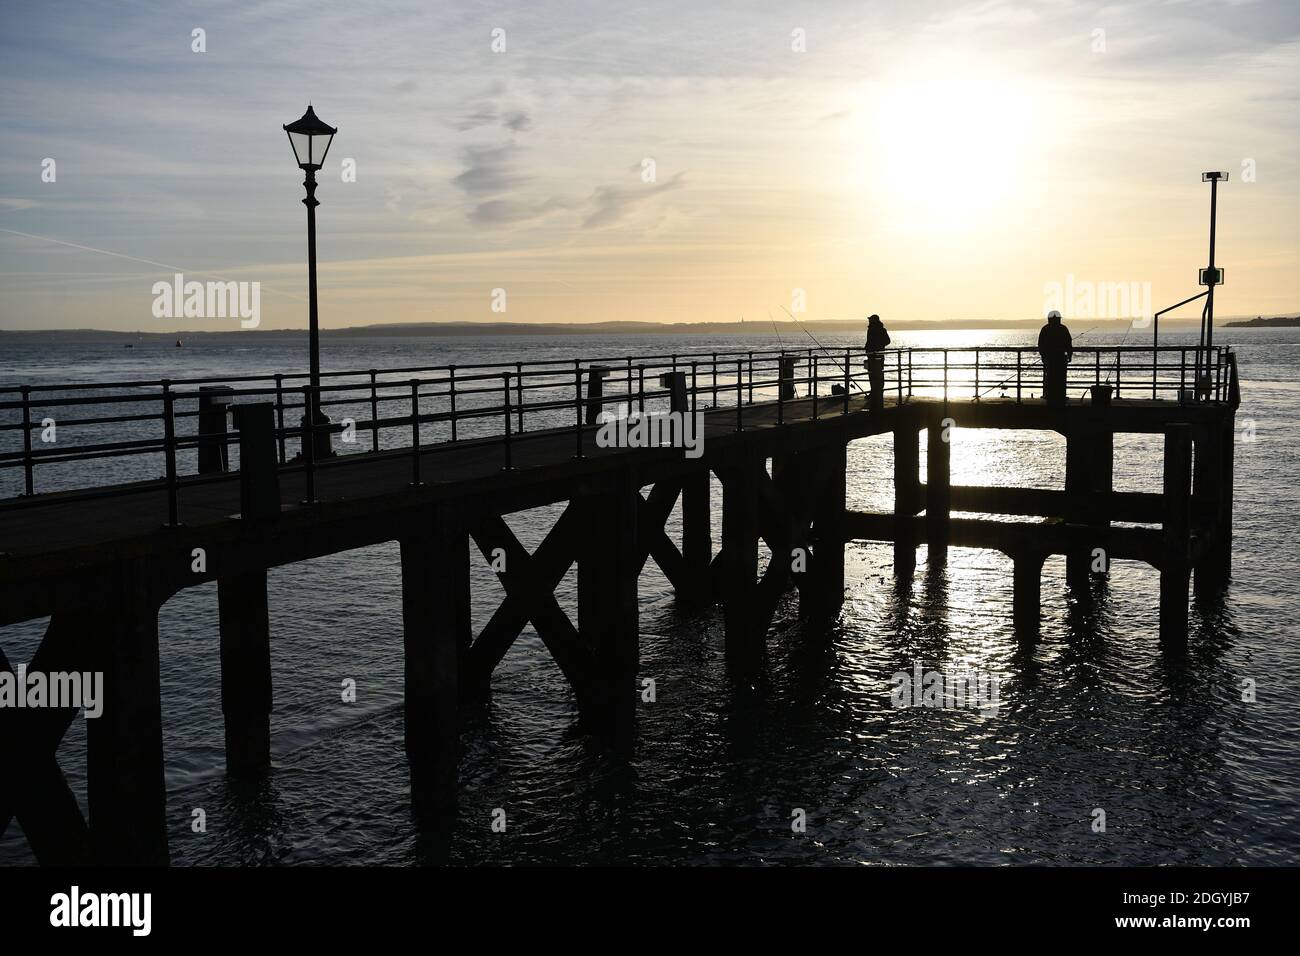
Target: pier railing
(135, 430)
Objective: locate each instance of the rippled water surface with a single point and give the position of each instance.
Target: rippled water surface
(1096, 716)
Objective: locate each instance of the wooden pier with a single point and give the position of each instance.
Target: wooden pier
(482, 442)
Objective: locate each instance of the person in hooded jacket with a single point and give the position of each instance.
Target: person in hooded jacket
(877, 342)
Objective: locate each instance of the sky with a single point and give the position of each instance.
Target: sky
(665, 161)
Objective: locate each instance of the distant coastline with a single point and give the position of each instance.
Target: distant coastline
(1260, 322)
(485, 329)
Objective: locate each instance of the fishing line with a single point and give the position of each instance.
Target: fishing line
(829, 355)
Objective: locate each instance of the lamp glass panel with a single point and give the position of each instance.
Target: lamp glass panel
(301, 147)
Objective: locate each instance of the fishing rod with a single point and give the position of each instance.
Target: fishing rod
(793, 391)
(828, 352)
(1037, 359)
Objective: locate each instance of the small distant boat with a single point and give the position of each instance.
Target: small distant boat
(129, 345)
(178, 344)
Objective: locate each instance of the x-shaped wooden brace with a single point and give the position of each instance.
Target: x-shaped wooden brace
(32, 787)
(788, 504)
(530, 581)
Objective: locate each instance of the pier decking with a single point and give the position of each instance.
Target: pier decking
(453, 450)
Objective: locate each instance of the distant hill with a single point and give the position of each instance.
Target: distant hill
(1275, 322)
(480, 329)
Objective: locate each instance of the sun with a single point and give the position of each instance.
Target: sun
(947, 144)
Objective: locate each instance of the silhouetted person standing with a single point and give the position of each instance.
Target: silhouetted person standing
(1056, 348)
(877, 342)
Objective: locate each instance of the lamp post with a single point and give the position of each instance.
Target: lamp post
(310, 139)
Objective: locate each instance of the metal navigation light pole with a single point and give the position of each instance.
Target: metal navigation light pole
(310, 139)
(1210, 277)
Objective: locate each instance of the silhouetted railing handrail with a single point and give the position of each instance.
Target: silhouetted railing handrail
(437, 406)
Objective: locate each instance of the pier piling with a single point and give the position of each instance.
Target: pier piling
(244, 620)
(1176, 534)
(126, 792)
(433, 560)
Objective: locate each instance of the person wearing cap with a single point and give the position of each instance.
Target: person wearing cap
(877, 342)
(1056, 348)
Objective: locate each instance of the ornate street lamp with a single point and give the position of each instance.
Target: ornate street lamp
(310, 139)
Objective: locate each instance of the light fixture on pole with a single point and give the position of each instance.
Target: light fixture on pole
(310, 139)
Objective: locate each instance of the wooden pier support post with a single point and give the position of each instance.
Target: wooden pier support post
(1027, 575)
(938, 486)
(1174, 567)
(697, 535)
(125, 785)
(740, 531)
(245, 625)
(608, 596)
(435, 570)
(828, 527)
(1089, 469)
(1212, 494)
(907, 495)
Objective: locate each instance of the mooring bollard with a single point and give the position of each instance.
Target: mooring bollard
(675, 382)
(259, 479)
(596, 374)
(214, 453)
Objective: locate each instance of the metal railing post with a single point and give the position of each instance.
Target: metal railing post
(577, 406)
(415, 433)
(451, 394)
(751, 377)
(519, 394)
(29, 479)
(740, 395)
(169, 454)
(308, 439)
(977, 374)
(1020, 354)
(815, 381)
(847, 361)
(279, 414)
(505, 406)
(374, 411)
(780, 388)
(695, 386)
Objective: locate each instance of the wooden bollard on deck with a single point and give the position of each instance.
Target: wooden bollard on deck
(214, 402)
(596, 375)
